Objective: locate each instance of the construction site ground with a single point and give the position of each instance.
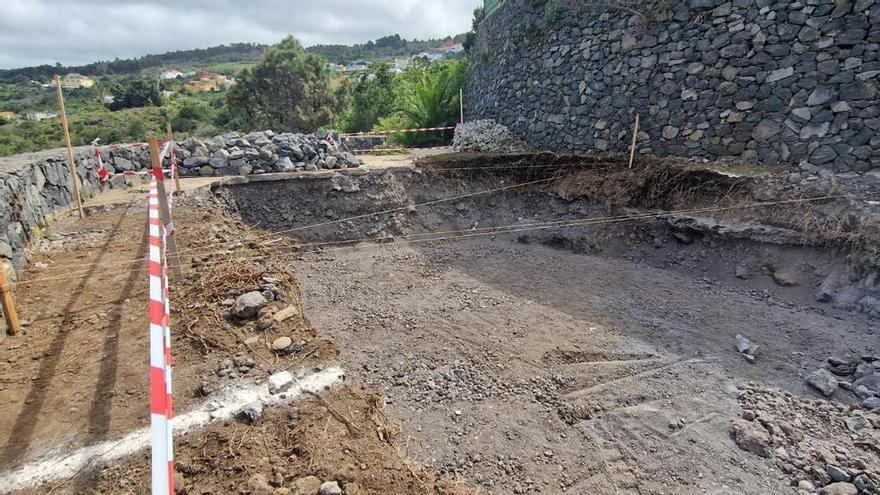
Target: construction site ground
(597, 361)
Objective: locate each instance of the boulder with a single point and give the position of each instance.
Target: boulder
(751, 437)
(308, 485)
(823, 381)
(258, 484)
(786, 278)
(870, 382)
(840, 488)
(219, 158)
(330, 488)
(195, 162)
(248, 305)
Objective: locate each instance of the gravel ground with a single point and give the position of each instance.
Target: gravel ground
(528, 369)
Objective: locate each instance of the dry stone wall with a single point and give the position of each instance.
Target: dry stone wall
(757, 81)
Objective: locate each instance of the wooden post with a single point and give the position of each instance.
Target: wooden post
(632, 150)
(175, 168)
(461, 103)
(164, 212)
(8, 305)
(74, 175)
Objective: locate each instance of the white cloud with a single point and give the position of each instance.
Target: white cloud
(75, 32)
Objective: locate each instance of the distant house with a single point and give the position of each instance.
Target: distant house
(36, 116)
(358, 65)
(170, 74)
(74, 80)
(452, 48)
(209, 82)
(431, 56)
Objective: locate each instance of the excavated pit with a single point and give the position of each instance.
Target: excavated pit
(590, 358)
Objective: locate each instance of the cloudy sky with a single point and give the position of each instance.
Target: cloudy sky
(74, 32)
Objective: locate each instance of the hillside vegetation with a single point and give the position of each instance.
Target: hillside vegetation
(241, 87)
(199, 57)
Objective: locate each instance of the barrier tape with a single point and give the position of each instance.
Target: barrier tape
(395, 131)
(161, 416)
(103, 172)
(398, 150)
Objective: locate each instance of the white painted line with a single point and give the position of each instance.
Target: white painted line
(224, 405)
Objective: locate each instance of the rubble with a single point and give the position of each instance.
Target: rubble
(487, 136)
(823, 446)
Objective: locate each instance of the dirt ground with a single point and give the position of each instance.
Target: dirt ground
(77, 375)
(588, 360)
(530, 369)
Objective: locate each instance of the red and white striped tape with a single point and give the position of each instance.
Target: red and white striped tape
(398, 150)
(395, 131)
(167, 146)
(103, 173)
(161, 415)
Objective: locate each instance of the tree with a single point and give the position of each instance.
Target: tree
(470, 39)
(288, 90)
(135, 93)
(426, 96)
(370, 99)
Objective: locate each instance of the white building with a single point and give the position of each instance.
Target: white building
(170, 74)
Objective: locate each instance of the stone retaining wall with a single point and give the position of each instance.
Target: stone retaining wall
(35, 186)
(756, 81)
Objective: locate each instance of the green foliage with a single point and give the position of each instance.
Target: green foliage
(553, 10)
(135, 93)
(189, 116)
(387, 47)
(289, 90)
(29, 97)
(111, 127)
(236, 52)
(366, 101)
(471, 37)
(426, 96)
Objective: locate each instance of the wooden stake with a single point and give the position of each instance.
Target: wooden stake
(175, 170)
(632, 150)
(14, 326)
(74, 175)
(164, 212)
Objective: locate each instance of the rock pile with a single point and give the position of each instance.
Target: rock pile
(35, 185)
(234, 154)
(861, 376)
(262, 152)
(487, 136)
(823, 447)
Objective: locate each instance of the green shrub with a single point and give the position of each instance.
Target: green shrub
(426, 96)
